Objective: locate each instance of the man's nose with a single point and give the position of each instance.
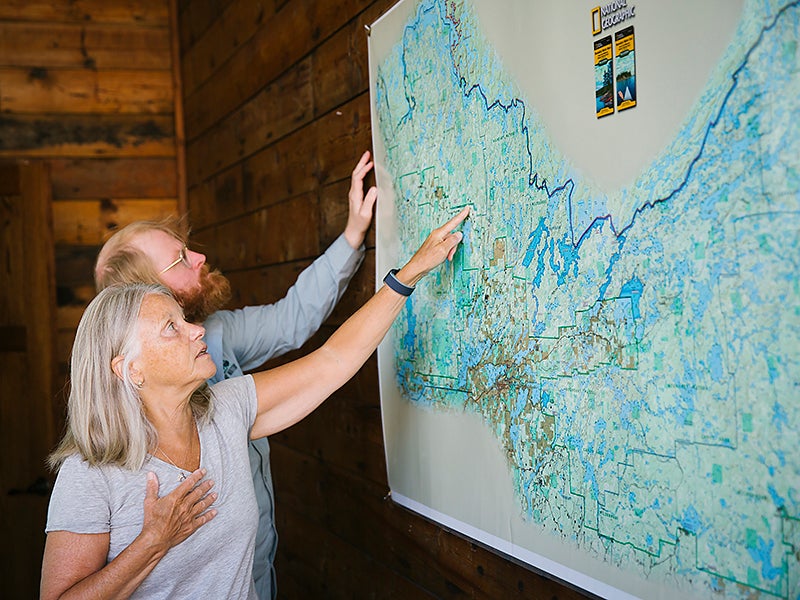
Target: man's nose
(197, 259)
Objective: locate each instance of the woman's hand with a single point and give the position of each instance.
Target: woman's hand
(170, 519)
(441, 244)
(74, 564)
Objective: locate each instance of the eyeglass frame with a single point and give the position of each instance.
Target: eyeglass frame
(182, 258)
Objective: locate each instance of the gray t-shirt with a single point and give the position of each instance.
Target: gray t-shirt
(216, 561)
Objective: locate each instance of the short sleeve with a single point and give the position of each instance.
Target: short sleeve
(80, 501)
(236, 398)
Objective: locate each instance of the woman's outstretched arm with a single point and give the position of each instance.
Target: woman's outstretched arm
(288, 393)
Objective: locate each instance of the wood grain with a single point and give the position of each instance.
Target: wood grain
(284, 39)
(91, 222)
(75, 178)
(80, 91)
(64, 136)
(87, 46)
(143, 13)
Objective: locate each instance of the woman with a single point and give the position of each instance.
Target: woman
(153, 497)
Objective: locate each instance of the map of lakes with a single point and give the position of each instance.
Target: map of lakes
(635, 352)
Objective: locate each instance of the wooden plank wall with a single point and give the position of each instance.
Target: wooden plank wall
(27, 371)
(87, 87)
(276, 109)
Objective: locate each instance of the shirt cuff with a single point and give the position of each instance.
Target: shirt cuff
(342, 256)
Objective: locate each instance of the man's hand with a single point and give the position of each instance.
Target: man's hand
(360, 211)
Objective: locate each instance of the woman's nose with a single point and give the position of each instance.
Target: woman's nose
(198, 331)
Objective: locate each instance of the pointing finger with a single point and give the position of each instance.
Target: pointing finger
(455, 221)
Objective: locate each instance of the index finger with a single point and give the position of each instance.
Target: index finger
(188, 484)
(456, 221)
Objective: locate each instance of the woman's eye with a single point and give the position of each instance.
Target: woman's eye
(171, 326)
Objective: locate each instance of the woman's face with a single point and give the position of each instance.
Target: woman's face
(173, 353)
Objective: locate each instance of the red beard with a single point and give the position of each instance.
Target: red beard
(214, 292)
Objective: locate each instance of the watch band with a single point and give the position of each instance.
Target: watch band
(398, 286)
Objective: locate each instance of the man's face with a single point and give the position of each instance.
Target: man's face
(199, 290)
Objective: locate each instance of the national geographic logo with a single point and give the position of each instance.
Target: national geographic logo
(608, 15)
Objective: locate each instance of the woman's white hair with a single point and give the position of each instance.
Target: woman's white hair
(106, 422)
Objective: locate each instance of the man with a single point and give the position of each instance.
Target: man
(244, 339)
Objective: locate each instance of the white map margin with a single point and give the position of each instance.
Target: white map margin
(548, 566)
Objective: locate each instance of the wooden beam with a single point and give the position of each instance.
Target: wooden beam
(86, 46)
(257, 238)
(80, 91)
(142, 13)
(323, 152)
(213, 199)
(13, 338)
(74, 270)
(278, 109)
(9, 179)
(59, 135)
(84, 178)
(232, 27)
(340, 65)
(360, 512)
(334, 568)
(91, 222)
(196, 16)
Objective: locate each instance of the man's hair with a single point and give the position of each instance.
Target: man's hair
(106, 422)
(119, 261)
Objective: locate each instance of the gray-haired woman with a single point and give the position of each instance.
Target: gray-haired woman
(154, 496)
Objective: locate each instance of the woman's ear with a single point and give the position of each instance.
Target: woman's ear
(117, 365)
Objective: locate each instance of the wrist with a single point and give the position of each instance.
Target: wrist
(393, 283)
(354, 238)
(408, 276)
(152, 543)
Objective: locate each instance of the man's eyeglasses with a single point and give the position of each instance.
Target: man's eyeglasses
(182, 258)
